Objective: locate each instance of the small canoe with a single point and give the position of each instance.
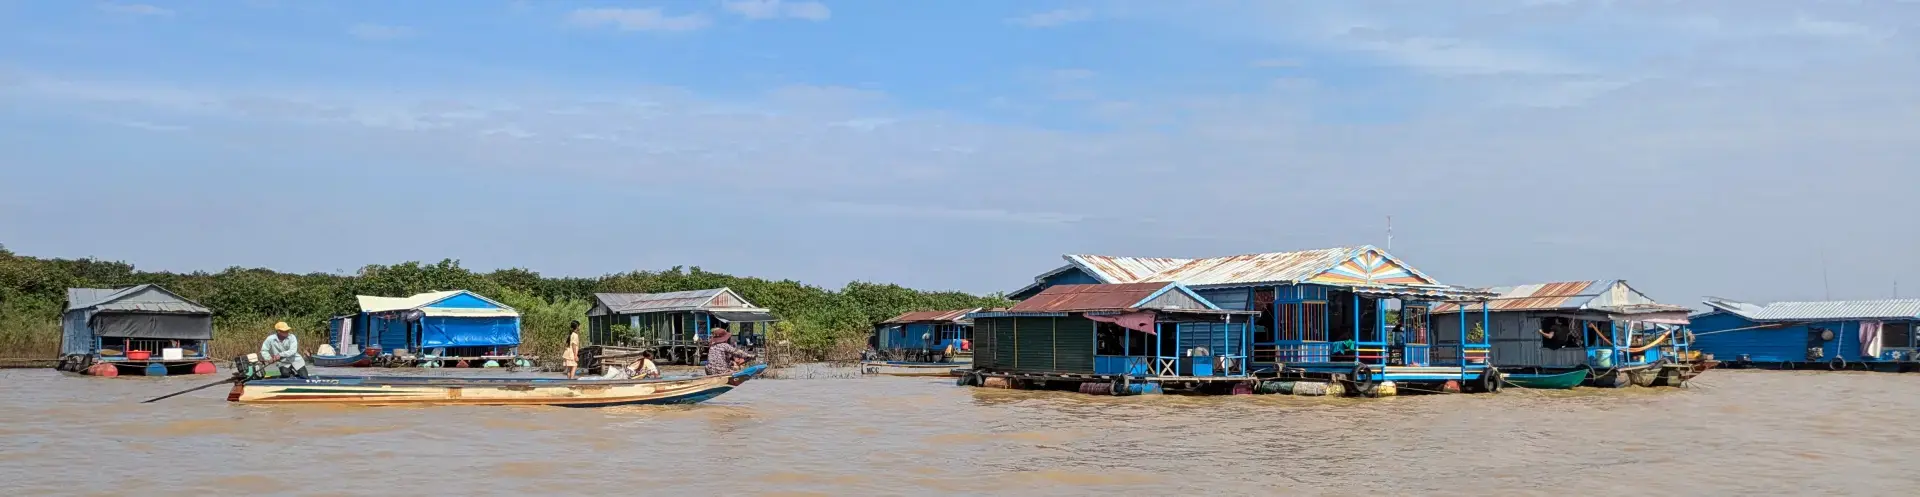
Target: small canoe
(358, 360)
(1544, 381)
(412, 390)
(902, 368)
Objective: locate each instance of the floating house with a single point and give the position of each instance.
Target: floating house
(436, 329)
(1319, 314)
(1836, 335)
(1113, 338)
(674, 325)
(1615, 333)
(925, 331)
(142, 329)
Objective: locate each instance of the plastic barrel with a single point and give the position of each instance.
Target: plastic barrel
(203, 367)
(156, 369)
(491, 364)
(103, 369)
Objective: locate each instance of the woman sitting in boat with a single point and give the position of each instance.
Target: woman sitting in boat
(723, 357)
(640, 369)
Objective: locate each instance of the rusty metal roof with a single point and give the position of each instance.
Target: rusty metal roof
(1599, 295)
(1081, 298)
(957, 316)
(1249, 269)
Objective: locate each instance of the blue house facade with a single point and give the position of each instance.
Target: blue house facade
(926, 330)
(1318, 314)
(1115, 337)
(437, 326)
(1834, 335)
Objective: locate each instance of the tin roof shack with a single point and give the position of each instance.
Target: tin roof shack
(918, 333)
(674, 325)
(1851, 334)
(1605, 327)
(1322, 314)
(434, 329)
(142, 329)
(1113, 338)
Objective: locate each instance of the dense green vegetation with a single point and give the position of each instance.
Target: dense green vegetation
(818, 322)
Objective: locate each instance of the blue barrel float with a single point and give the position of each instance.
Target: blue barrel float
(156, 369)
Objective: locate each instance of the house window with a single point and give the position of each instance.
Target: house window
(1896, 335)
(1414, 321)
(1286, 321)
(1313, 317)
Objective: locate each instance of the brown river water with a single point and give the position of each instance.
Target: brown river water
(1735, 432)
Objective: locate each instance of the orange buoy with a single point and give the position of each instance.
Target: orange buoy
(203, 367)
(461, 364)
(103, 369)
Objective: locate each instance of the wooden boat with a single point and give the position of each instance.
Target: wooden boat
(407, 390)
(357, 360)
(903, 368)
(1547, 381)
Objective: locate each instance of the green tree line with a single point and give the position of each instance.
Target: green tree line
(246, 301)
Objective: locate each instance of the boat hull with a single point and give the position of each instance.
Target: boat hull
(1561, 381)
(392, 391)
(341, 361)
(911, 368)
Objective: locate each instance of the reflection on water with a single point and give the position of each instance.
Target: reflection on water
(1752, 432)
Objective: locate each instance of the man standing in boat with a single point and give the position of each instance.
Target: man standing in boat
(283, 349)
(723, 357)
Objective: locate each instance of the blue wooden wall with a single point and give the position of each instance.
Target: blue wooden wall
(1784, 344)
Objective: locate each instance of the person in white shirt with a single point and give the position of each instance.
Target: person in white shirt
(283, 349)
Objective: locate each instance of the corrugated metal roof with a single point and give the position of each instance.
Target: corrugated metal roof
(1598, 295)
(634, 303)
(956, 316)
(138, 298)
(1250, 269)
(1538, 296)
(1823, 310)
(1076, 298)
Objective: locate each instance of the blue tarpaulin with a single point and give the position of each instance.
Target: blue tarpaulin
(442, 331)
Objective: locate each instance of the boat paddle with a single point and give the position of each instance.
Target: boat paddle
(190, 390)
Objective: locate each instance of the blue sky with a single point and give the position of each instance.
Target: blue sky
(1694, 148)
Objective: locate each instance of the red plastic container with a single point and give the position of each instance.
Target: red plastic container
(138, 355)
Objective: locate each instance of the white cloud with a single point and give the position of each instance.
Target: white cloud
(135, 9)
(775, 9)
(651, 19)
(380, 32)
(1052, 18)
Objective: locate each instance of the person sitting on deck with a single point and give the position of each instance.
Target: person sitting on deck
(644, 368)
(723, 357)
(283, 349)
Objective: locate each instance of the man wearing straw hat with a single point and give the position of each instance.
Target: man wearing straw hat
(283, 349)
(723, 357)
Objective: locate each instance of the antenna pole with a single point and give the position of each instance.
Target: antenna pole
(1825, 284)
(1390, 234)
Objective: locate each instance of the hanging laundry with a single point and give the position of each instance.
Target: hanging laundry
(1870, 339)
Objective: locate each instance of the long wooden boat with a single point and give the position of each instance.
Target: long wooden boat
(407, 390)
(1547, 381)
(903, 368)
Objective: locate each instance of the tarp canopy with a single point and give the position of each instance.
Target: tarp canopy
(744, 316)
(440, 331)
(437, 304)
(151, 325)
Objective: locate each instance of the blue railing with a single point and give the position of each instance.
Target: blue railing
(1419, 355)
(1296, 351)
(1122, 365)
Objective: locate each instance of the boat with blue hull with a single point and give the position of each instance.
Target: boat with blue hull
(414, 390)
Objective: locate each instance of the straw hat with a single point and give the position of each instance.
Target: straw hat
(720, 335)
(282, 326)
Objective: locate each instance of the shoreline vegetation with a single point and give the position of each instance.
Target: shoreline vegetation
(819, 324)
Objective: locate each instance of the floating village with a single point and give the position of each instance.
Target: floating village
(1345, 321)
